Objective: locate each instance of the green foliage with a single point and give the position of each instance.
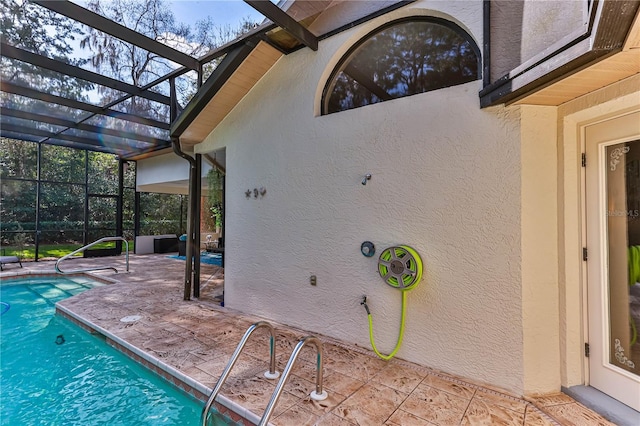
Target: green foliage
(18, 160)
(214, 204)
(20, 240)
(63, 189)
(17, 205)
(163, 214)
(29, 27)
(62, 180)
(24, 24)
(62, 201)
(28, 252)
(62, 164)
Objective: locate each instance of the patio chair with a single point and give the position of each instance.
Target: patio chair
(9, 259)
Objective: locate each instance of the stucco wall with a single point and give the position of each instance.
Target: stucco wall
(166, 174)
(445, 180)
(522, 29)
(541, 333)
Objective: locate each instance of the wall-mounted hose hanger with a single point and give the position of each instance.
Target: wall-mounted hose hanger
(367, 249)
(401, 268)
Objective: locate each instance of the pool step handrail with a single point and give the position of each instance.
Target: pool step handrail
(271, 374)
(317, 395)
(81, 249)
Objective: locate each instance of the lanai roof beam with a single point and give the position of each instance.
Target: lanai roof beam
(282, 19)
(28, 92)
(80, 126)
(115, 147)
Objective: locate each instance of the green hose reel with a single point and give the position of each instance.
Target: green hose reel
(401, 268)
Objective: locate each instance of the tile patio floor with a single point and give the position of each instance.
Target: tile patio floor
(198, 337)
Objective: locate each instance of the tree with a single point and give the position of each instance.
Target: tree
(18, 160)
(28, 26)
(137, 66)
(62, 191)
(222, 35)
(163, 213)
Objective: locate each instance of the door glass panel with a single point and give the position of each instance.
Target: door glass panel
(623, 231)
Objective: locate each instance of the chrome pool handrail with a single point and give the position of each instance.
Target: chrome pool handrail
(317, 395)
(271, 374)
(81, 249)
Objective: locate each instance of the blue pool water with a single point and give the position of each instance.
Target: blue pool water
(205, 257)
(54, 373)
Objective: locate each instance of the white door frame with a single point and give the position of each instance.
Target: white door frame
(610, 379)
(572, 118)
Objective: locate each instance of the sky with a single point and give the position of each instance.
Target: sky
(222, 12)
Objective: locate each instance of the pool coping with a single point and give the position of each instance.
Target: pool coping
(222, 404)
(18, 274)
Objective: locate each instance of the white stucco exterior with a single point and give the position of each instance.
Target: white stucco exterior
(492, 200)
(166, 174)
(446, 180)
(539, 250)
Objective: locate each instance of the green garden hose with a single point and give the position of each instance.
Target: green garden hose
(401, 268)
(400, 336)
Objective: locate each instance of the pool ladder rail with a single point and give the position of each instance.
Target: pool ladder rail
(318, 394)
(81, 249)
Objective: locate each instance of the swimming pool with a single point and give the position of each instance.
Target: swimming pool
(54, 373)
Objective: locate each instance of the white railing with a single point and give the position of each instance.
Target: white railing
(81, 249)
(316, 395)
(271, 374)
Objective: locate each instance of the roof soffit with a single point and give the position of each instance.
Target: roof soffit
(633, 38)
(207, 115)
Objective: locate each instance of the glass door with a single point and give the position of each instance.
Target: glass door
(613, 241)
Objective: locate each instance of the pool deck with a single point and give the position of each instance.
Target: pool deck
(195, 339)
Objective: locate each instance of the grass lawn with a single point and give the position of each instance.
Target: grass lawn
(52, 250)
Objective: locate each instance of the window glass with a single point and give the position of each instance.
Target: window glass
(402, 59)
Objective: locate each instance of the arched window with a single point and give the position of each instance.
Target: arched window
(402, 58)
